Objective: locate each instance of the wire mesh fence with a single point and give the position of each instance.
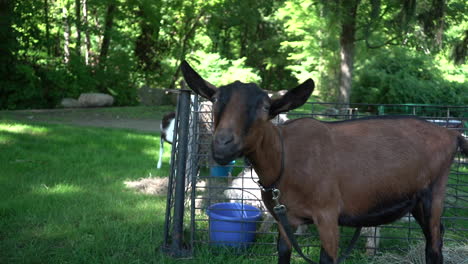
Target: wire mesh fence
(222, 205)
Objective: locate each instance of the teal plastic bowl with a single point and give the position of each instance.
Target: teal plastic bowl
(222, 171)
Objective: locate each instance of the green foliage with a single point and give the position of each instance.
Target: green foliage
(59, 51)
(311, 44)
(251, 30)
(34, 86)
(400, 76)
(43, 86)
(220, 71)
(115, 78)
(20, 87)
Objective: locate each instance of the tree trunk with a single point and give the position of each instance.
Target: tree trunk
(66, 33)
(78, 26)
(347, 39)
(47, 26)
(8, 43)
(107, 33)
(86, 27)
(244, 36)
(188, 35)
(146, 44)
(8, 47)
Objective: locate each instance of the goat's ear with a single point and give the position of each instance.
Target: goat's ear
(196, 82)
(292, 99)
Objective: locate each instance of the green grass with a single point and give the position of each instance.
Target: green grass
(63, 199)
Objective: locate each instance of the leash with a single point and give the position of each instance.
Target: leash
(280, 212)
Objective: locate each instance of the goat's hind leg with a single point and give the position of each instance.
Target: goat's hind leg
(161, 152)
(427, 213)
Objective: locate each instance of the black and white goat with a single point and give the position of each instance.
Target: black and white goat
(167, 134)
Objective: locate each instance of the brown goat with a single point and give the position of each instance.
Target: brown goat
(363, 172)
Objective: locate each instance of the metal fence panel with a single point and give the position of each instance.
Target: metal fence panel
(204, 190)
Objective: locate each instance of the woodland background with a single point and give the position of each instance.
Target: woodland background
(372, 51)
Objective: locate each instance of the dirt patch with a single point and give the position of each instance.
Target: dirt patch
(152, 186)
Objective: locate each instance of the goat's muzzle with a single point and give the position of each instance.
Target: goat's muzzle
(225, 147)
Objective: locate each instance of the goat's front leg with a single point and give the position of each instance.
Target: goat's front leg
(327, 226)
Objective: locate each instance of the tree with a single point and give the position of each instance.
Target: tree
(78, 26)
(380, 23)
(7, 34)
(47, 25)
(7, 50)
(460, 50)
(147, 44)
(116, 46)
(108, 26)
(66, 32)
(187, 34)
(250, 29)
(347, 39)
(86, 28)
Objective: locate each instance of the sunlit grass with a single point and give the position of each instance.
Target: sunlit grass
(63, 199)
(58, 189)
(22, 129)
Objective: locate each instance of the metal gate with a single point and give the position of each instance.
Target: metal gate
(193, 186)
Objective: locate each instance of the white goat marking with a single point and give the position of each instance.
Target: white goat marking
(167, 134)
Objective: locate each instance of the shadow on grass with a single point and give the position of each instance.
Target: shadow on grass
(64, 201)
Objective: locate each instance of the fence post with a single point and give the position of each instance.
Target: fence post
(177, 247)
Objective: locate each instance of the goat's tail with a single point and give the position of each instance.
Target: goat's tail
(161, 152)
(463, 144)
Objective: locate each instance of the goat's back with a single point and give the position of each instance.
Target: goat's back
(360, 164)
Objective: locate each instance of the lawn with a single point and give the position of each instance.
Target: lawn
(63, 197)
(64, 200)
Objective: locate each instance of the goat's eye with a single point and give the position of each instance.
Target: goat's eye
(214, 100)
(266, 108)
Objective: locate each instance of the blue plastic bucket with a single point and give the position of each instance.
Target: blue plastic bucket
(232, 224)
(222, 171)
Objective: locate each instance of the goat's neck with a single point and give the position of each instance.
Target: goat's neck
(266, 152)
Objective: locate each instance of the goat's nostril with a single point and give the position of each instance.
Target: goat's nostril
(224, 139)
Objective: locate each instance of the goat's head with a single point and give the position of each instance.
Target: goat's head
(239, 108)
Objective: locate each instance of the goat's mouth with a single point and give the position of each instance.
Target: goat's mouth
(225, 156)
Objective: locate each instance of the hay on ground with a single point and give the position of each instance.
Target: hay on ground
(152, 186)
(453, 254)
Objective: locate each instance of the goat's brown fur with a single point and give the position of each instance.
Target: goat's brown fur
(364, 172)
